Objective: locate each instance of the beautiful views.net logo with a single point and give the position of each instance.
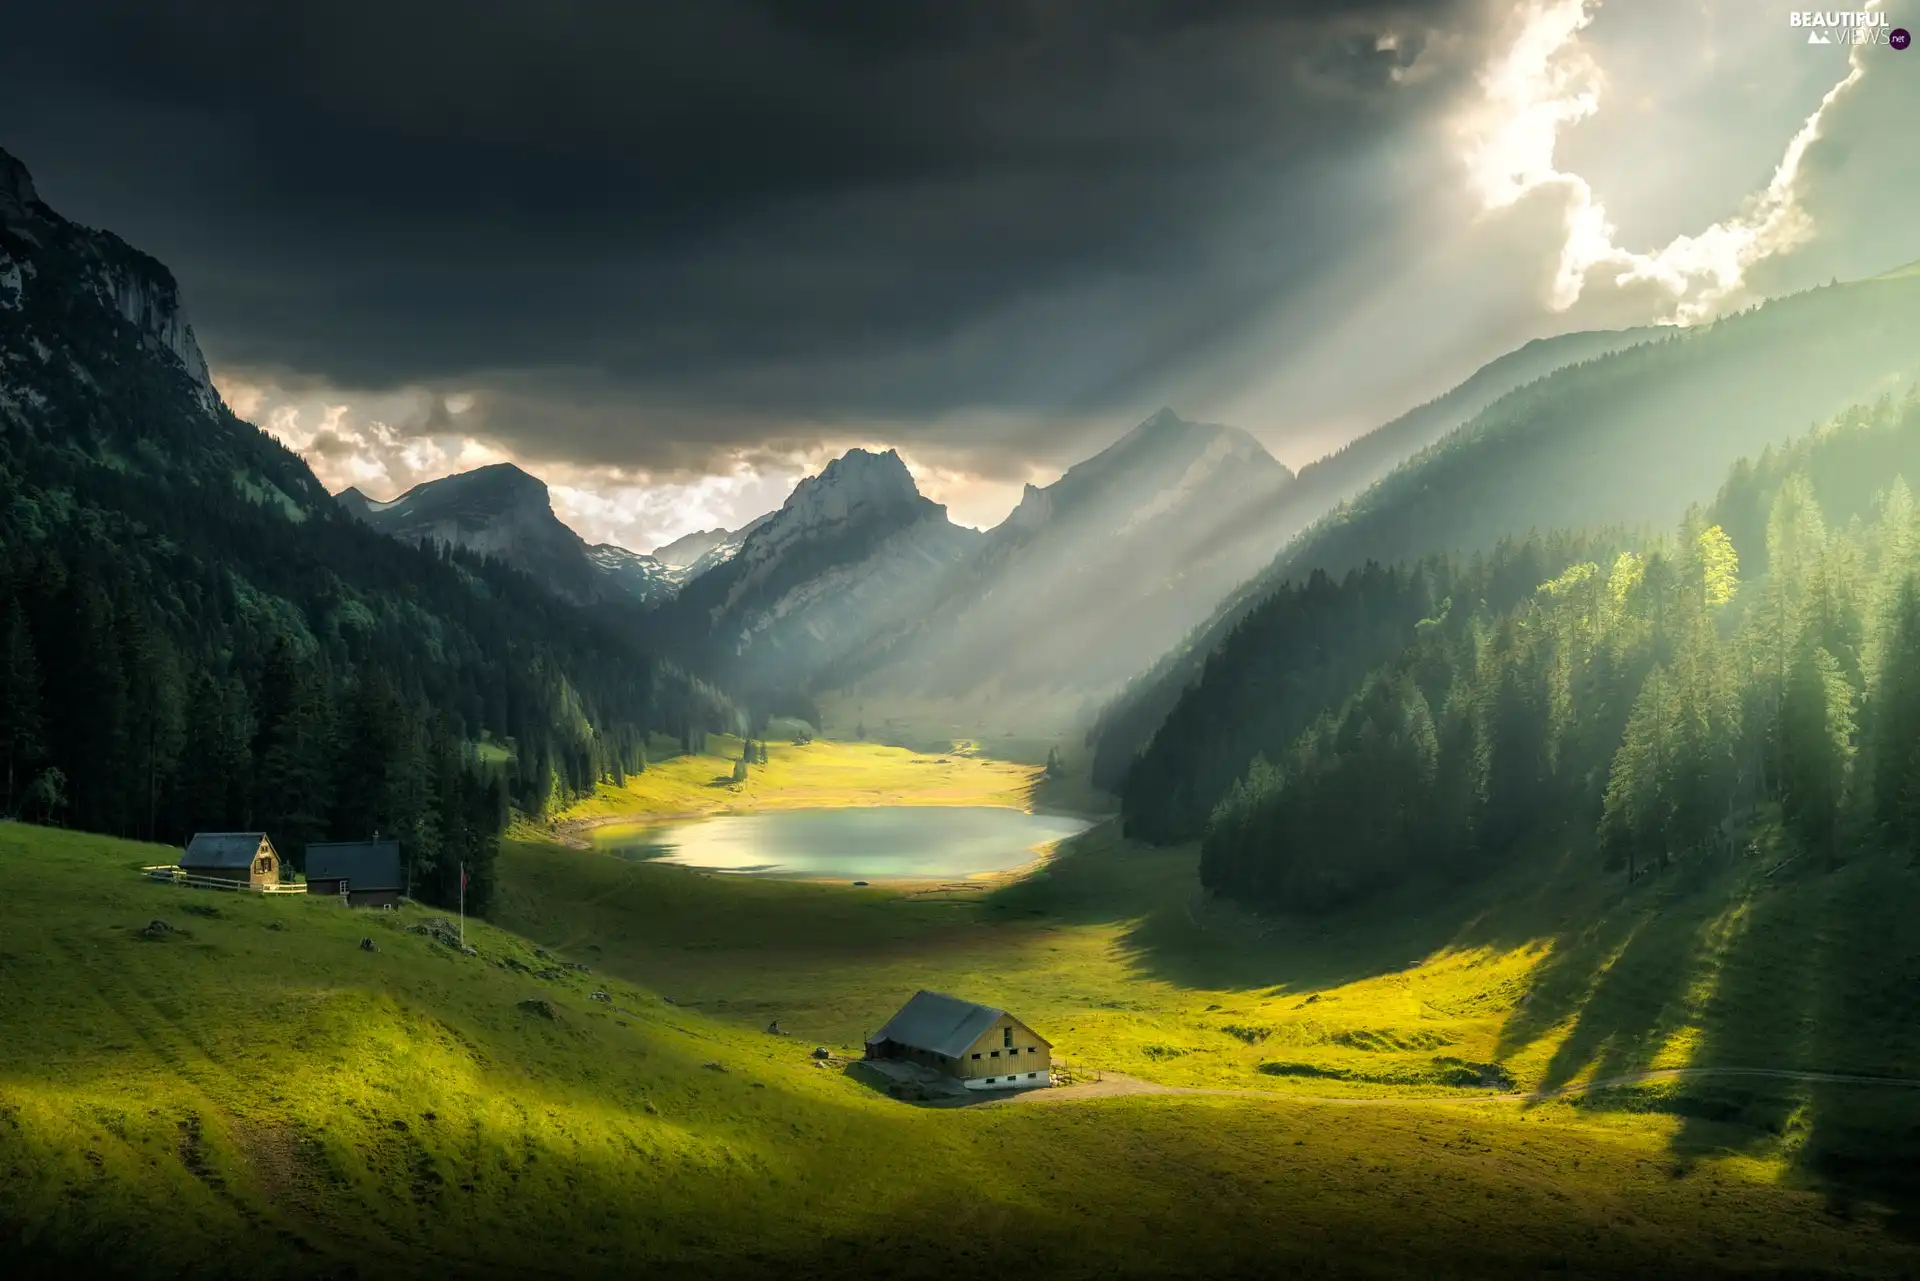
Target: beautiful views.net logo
(1862, 27)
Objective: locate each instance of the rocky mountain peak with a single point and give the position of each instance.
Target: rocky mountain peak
(355, 502)
(507, 480)
(1034, 509)
(857, 482)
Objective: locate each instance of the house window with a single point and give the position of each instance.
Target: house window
(1006, 1035)
(990, 1080)
(995, 1054)
(976, 1056)
(1031, 1075)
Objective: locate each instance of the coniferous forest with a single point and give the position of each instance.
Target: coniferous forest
(194, 637)
(1657, 694)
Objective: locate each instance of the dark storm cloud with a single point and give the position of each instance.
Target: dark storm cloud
(639, 230)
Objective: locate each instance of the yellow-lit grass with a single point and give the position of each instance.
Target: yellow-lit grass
(1110, 951)
(1105, 952)
(819, 774)
(262, 1102)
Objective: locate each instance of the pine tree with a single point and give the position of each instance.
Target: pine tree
(1638, 805)
(1816, 737)
(86, 681)
(293, 782)
(21, 740)
(1894, 711)
(215, 779)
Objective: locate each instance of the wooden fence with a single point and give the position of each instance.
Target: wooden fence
(174, 876)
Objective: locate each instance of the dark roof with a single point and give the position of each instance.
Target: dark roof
(222, 849)
(363, 865)
(943, 1024)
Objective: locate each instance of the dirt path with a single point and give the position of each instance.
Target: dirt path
(1114, 1084)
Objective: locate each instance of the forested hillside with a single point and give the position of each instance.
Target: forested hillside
(1627, 438)
(194, 636)
(1664, 695)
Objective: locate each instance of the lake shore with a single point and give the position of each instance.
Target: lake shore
(819, 775)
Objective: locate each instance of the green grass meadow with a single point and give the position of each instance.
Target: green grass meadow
(254, 1094)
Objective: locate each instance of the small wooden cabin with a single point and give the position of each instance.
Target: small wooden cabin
(366, 872)
(979, 1046)
(245, 858)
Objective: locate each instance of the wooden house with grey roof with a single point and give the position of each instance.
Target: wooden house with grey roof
(981, 1047)
(367, 873)
(246, 858)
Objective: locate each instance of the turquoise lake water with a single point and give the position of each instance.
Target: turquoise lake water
(869, 843)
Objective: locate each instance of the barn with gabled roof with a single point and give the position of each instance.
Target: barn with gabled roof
(981, 1047)
(368, 873)
(245, 858)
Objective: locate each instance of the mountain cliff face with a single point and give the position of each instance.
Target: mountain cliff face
(1095, 575)
(853, 552)
(99, 366)
(103, 268)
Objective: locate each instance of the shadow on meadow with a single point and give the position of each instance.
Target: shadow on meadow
(1177, 933)
(1708, 965)
(1844, 944)
(1814, 972)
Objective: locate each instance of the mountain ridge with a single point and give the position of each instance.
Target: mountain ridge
(1576, 448)
(498, 510)
(1069, 591)
(853, 550)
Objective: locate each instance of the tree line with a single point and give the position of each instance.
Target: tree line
(114, 719)
(1662, 694)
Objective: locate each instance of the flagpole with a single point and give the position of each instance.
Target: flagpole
(463, 905)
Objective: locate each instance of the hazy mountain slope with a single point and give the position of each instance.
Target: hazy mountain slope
(853, 551)
(716, 553)
(1093, 575)
(1627, 438)
(688, 548)
(1349, 470)
(498, 511)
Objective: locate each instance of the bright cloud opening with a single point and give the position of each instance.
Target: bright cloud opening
(1546, 81)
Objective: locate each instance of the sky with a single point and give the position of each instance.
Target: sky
(670, 258)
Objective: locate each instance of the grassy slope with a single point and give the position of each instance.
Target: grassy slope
(1559, 981)
(1111, 952)
(278, 1098)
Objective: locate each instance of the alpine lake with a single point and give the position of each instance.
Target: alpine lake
(866, 843)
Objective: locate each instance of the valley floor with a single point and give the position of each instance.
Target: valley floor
(252, 1093)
